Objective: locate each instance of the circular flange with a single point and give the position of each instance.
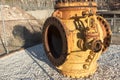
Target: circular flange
(107, 38)
(54, 40)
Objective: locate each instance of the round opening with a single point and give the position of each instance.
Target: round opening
(98, 46)
(55, 42)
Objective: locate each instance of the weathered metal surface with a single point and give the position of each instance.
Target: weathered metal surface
(74, 37)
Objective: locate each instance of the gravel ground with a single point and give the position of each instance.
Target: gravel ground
(32, 64)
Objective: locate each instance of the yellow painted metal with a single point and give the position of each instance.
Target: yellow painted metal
(86, 37)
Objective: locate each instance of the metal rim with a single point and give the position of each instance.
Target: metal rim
(55, 41)
(107, 38)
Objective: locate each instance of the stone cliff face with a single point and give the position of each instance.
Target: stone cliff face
(109, 4)
(18, 28)
(30, 4)
(48, 4)
(114, 5)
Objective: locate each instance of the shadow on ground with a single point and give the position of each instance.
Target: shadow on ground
(37, 53)
(21, 36)
(25, 36)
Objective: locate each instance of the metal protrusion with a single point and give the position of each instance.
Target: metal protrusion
(86, 66)
(90, 56)
(88, 60)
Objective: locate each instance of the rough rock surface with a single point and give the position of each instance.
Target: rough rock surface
(18, 28)
(32, 64)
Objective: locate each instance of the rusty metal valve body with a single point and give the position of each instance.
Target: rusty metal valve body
(74, 37)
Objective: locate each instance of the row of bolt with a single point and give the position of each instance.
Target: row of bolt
(89, 59)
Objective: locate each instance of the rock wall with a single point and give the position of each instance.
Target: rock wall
(18, 29)
(30, 4)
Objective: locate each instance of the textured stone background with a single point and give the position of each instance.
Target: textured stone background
(32, 64)
(19, 29)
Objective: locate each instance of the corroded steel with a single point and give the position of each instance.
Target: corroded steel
(74, 37)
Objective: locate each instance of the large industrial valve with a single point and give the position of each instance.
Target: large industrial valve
(74, 37)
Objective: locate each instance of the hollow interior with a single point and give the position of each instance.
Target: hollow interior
(55, 42)
(98, 46)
